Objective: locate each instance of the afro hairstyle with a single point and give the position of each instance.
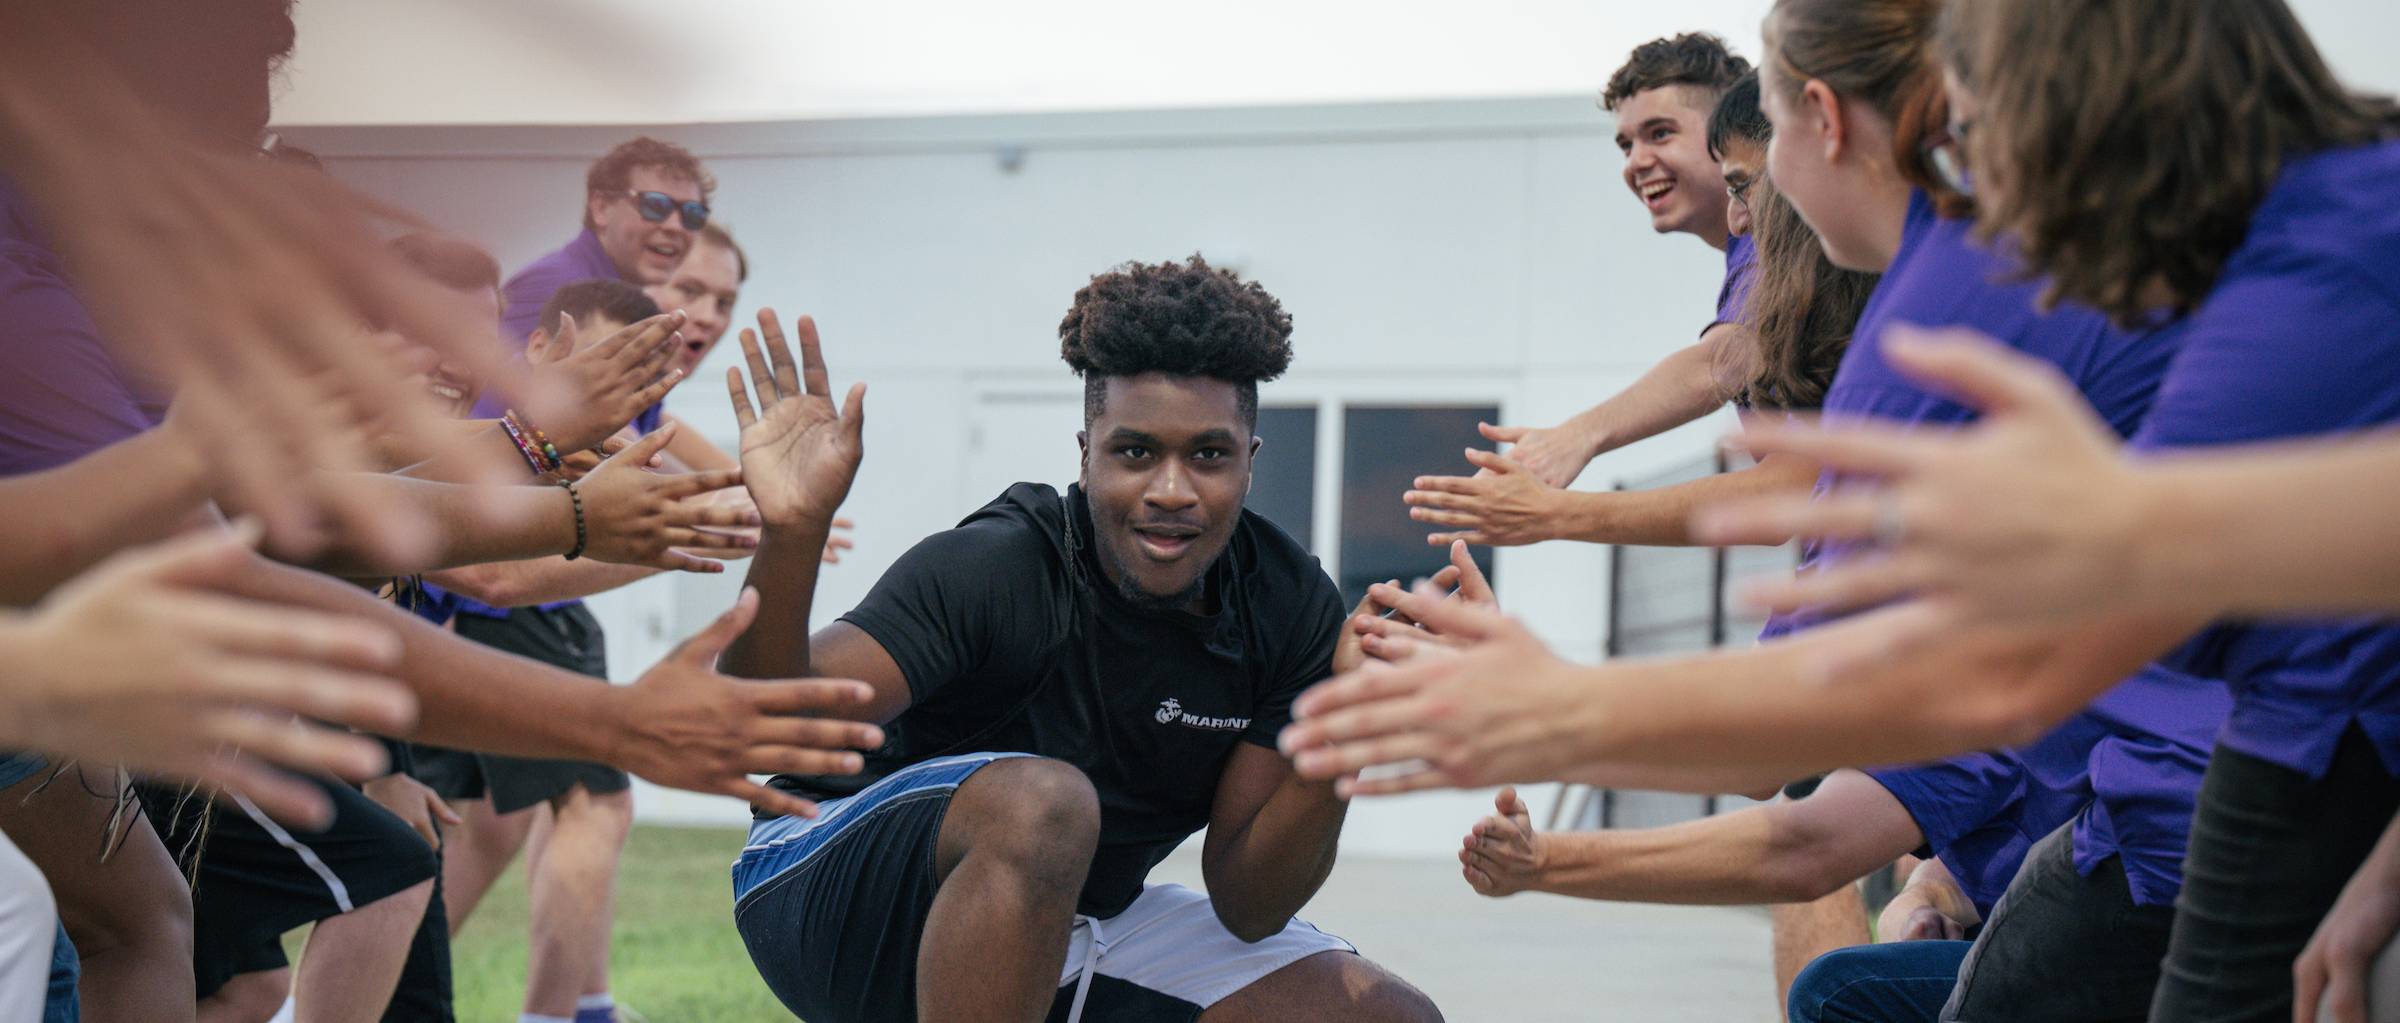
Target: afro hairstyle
(1182, 318)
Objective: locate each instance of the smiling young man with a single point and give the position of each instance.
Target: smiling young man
(1075, 683)
(1662, 98)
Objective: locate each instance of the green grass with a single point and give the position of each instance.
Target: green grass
(677, 958)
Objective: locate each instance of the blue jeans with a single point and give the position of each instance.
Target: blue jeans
(1896, 982)
(62, 1006)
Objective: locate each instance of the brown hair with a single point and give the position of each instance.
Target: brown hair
(1877, 52)
(1802, 307)
(2137, 137)
(1693, 58)
(716, 233)
(612, 175)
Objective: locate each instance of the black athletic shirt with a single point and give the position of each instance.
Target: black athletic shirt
(1013, 641)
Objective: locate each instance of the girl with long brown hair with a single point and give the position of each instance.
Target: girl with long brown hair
(2198, 157)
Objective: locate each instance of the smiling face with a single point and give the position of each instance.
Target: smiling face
(645, 253)
(705, 287)
(1663, 133)
(1166, 464)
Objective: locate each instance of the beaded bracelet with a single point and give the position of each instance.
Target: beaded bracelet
(541, 456)
(579, 537)
(542, 440)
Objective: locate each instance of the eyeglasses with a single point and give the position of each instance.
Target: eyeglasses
(1947, 152)
(1739, 191)
(656, 207)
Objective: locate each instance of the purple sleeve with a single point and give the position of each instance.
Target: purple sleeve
(1950, 799)
(2305, 349)
(61, 395)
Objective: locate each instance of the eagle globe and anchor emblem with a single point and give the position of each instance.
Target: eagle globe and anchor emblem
(1169, 711)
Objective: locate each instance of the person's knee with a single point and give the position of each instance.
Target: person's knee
(581, 811)
(1393, 1000)
(1818, 984)
(1031, 810)
(155, 919)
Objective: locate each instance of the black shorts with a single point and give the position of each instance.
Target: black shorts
(833, 912)
(255, 879)
(569, 638)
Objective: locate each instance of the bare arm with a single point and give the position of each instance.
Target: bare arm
(799, 455)
(1505, 505)
(1272, 836)
(680, 724)
(1787, 851)
(1899, 685)
(73, 516)
(536, 581)
(1682, 387)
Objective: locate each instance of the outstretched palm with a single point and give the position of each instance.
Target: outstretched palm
(798, 452)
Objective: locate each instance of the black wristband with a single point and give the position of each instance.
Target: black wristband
(578, 501)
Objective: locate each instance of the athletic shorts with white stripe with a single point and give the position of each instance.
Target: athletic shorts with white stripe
(833, 910)
(258, 879)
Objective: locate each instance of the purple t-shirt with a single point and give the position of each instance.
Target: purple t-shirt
(62, 396)
(2136, 755)
(1940, 277)
(523, 297)
(1741, 264)
(1980, 813)
(2300, 337)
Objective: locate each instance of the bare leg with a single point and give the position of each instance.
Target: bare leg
(475, 853)
(247, 998)
(130, 917)
(574, 877)
(1337, 987)
(1014, 848)
(353, 960)
(1806, 930)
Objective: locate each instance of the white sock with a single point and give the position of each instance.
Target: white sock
(283, 1015)
(603, 1000)
(535, 1017)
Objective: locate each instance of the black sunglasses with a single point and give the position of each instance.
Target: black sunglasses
(656, 207)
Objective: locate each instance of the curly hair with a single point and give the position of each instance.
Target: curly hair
(1693, 58)
(2136, 139)
(1181, 318)
(612, 175)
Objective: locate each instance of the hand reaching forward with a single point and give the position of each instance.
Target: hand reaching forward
(147, 660)
(799, 454)
(582, 393)
(1397, 637)
(1504, 504)
(685, 726)
(1503, 854)
(1553, 456)
(1505, 709)
(633, 516)
(2023, 515)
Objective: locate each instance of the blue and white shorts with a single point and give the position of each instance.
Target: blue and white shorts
(833, 910)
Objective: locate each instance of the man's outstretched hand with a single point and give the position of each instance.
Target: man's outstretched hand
(799, 453)
(685, 726)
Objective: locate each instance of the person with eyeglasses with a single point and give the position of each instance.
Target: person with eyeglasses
(645, 205)
(1855, 101)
